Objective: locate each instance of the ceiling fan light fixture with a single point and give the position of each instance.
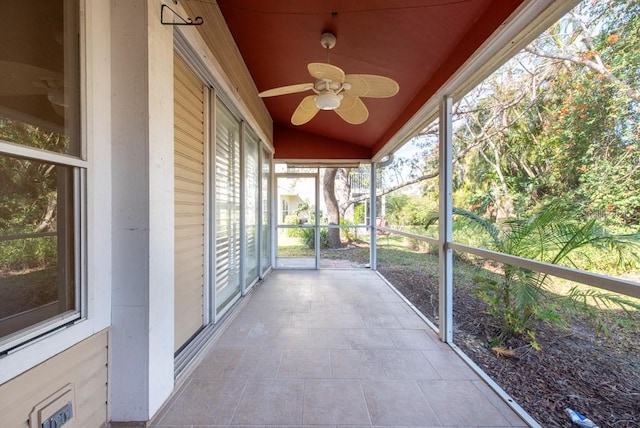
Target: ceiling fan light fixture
(327, 101)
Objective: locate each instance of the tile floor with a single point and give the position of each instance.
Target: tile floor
(331, 348)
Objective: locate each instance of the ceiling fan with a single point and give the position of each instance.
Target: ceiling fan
(335, 90)
(20, 79)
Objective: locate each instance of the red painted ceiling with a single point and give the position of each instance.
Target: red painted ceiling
(418, 43)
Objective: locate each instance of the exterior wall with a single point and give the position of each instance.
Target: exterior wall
(127, 66)
(141, 369)
(141, 366)
(77, 353)
(84, 366)
(229, 67)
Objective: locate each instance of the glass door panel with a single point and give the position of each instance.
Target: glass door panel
(227, 209)
(265, 220)
(251, 208)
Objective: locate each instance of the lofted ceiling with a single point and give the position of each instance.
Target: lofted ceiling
(418, 43)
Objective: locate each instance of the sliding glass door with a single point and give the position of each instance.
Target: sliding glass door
(227, 208)
(251, 208)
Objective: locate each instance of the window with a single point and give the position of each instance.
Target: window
(251, 207)
(227, 208)
(265, 220)
(41, 170)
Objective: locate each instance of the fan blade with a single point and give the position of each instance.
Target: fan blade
(322, 71)
(371, 85)
(306, 111)
(283, 90)
(24, 79)
(352, 110)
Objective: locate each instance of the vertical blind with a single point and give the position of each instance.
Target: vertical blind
(227, 206)
(251, 205)
(265, 220)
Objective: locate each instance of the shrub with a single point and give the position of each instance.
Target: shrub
(519, 296)
(309, 237)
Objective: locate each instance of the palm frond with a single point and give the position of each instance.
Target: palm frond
(603, 299)
(483, 224)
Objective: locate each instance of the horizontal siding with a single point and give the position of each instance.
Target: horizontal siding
(218, 38)
(83, 365)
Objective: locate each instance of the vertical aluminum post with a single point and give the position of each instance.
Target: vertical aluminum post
(373, 190)
(316, 215)
(445, 232)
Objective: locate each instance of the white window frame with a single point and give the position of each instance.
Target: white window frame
(93, 166)
(20, 337)
(79, 167)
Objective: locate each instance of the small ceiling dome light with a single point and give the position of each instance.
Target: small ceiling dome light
(327, 101)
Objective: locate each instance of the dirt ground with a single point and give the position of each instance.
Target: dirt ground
(599, 377)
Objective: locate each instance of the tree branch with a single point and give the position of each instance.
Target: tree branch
(592, 65)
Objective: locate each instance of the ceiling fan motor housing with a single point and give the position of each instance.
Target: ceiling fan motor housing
(327, 101)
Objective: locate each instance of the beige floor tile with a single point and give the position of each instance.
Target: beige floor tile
(390, 296)
(302, 426)
(289, 358)
(393, 308)
(411, 321)
(332, 401)
(165, 426)
(215, 362)
(305, 320)
(397, 403)
(255, 362)
(308, 320)
(405, 364)
(328, 338)
(286, 337)
(355, 364)
(499, 404)
(271, 402)
(272, 319)
(233, 426)
(380, 321)
(343, 321)
(459, 403)
(206, 401)
(413, 339)
(305, 364)
(450, 366)
(370, 338)
(325, 307)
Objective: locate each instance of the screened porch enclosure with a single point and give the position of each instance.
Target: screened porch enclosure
(354, 220)
(319, 213)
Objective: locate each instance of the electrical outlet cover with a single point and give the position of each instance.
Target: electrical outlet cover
(52, 405)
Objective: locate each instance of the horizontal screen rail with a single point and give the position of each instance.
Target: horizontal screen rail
(616, 285)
